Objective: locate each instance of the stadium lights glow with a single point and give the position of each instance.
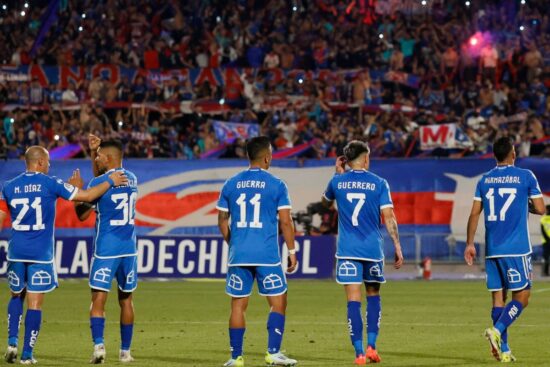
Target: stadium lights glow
(381, 36)
(12, 120)
(521, 28)
(473, 41)
(534, 22)
(301, 81)
(294, 8)
(424, 2)
(467, 3)
(80, 29)
(83, 15)
(522, 2)
(26, 5)
(218, 19)
(23, 13)
(56, 137)
(120, 123)
(222, 101)
(4, 7)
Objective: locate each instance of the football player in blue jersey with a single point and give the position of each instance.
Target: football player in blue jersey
(256, 201)
(31, 199)
(115, 250)
(506, 194)
(362, 198)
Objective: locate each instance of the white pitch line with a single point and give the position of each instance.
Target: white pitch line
(541, 290)
(418, 324)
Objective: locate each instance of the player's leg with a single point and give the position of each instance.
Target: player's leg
(101, 276)
(239, 284)
(272, 284)
(33, 321)
(350, 274)
(41, 279)
(496, 285)
(16, 279)
(373, 275)
(499, 301)
(127, 283)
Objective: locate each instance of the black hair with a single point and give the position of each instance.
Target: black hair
(354, 149)
(255, 146)
(116, 144)
(502, 147)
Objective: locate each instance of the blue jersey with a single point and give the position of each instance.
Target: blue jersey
(360, 196)
(253, 199)
(504, 192)
(115, 227)
(31, 199)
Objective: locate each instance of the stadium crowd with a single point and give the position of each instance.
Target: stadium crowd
(485, 67)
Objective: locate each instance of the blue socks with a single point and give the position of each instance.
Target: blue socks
(355, 326)
(509, 315)
(15, 312)
(374, 314)
(33, 319)
(97, 324)
(495, 314)
(275, 330)
(236, 337)
(126, 332)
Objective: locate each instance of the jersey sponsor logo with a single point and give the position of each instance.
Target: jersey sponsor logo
(235, 282)
(513, 276)
(347, 269)
(272, 281)
(102, 275)
(13, 279)
(41, 278)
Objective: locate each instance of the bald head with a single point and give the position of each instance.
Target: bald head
(37, 159)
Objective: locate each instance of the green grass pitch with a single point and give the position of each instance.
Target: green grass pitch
(184, 323)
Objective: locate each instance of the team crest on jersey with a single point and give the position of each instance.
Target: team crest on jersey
(41, 277)
(513, 276)
(272, 281)
(235, 282)
(102, 275)
(375, 271)
(347, 269)
(13, 279)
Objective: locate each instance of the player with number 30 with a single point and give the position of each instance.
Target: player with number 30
(115, 251)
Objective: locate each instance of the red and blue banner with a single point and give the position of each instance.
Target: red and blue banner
(228, 132)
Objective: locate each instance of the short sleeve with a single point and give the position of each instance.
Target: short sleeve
(62, 189)
(477, 195)
(223, 203)
(329, 192)
(533, 188)
(385, 196)
(283, 201)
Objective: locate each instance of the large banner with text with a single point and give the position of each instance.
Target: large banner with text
(185, 257)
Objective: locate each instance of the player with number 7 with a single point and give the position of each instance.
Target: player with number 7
(115, 251)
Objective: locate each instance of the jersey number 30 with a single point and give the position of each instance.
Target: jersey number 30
(126, 203)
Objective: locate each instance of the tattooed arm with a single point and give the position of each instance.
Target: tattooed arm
(391, 226)
(223, 224)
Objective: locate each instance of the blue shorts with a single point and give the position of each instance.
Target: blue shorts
(509, 273)
(36, 277)
(103, 270)
(240, 279)
(358, 271)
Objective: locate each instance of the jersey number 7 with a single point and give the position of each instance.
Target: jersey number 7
(361, 201)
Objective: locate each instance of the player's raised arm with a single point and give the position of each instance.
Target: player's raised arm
(470, 251)
(83, 210)
(94, 143)
(116, 178)
(391, 225)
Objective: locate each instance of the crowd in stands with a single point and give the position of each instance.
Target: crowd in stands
(485, 67)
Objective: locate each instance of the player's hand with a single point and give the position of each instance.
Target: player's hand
(398, 257)
(292, 264)
(470, 254)
(76, 180)
(2, 218)
(119, 178)
(340, 165)
(93, 142)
